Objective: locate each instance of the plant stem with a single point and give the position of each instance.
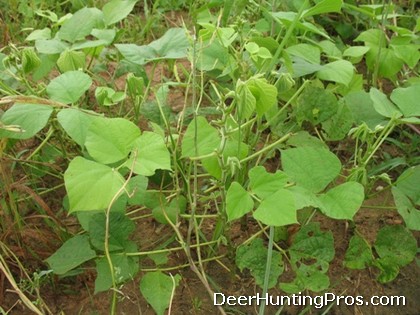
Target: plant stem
(267, 268)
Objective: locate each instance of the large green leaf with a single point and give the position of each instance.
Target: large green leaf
(311, 168)
(342, 202)
(265, 94)
(69, 87)
(278, 209)
(207, 138)
(263, 184)
(315, 105)
(156, 287)
(110, 140)
(90, 185)
(125, 268)
(116, 10)
(172, 45)
(308, 52)
(407, 99)
(71, 60)
(80, 24)
(246, 100)
(409, 183)
(50, 46)
(338, 125)
(382, 105)
(407, 209)
(340, 71)
(26, 119)
(359, 254)
(238, 202)
(76, 123)
(152, 154)
(120, 227)
(324, 6)
(71, 254)
(361, 107)
(253, 256)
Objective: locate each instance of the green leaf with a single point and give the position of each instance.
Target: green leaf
(172, 45)
(27, 119)
(172, 210)
(408, 53)
(157, 288)
(125, 269)
(71, 254)
(338, 125)
(110, 140)
(265, 94)
(246, 100)
(45, 33)
(304, 198)
(278, 209)
(340, 71)
(207, 138)
(315, 105)
(50, 46)
(69, 87)
(264, 184)
(355, 51)
(409, 183)
(116, 10)
(90, 185)
(71, 60)
(382, 105)
(152, 154)
(407, 99)
(324, 6)
(76, 123)
(238, 202)
(80, 24)
(106, 96)
(397, 243)
(407, 209)
(308, 52)
(137, 189)
(311, 168)
(359, 254)
(342, 202)
(253, 256)
(361, 107)
(30, 60)
(120, 228)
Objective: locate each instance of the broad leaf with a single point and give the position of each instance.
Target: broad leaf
(311, 168)
(407, 99)
(362, 109)
(76, 123)
(90, 185)
(110, 140)
(407, 209)
(246, 100)
(340, 71)
(315, 105)
(152, 154)
(207, 138)
(264, 184)
(253, 256)
(338, 125)
(342, 202)
(278, 209)
(50, 46)
(120, 228)
(359, 254)
(80, 24)
(125, 268)
(116, 10)
(71, 60)
(308, 52)
(26, 119)
(157, 288)
(382, 105)
(324, 6)
(71, 254)
(238, 202)
(69, 87)
(265, 94)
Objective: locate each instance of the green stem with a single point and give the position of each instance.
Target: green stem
(267, 148)
(267, 268)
